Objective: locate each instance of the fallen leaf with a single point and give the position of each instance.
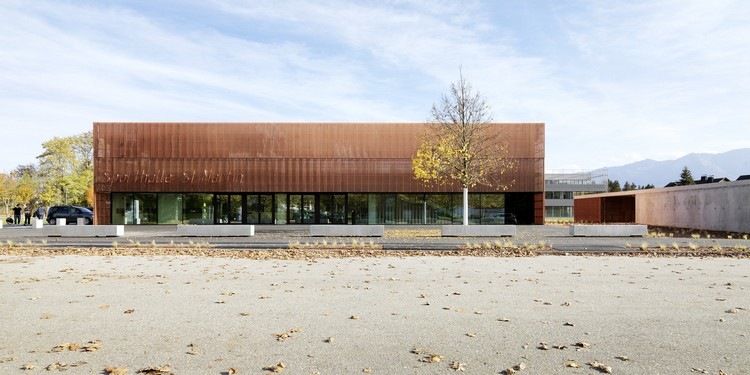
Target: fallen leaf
(600, 367)
(431, 358)
(582, 345)
(571, 364)
(156, 370)
(92, 346)
(130, 311)
(622, 358)
(28, 366)
(277, 368)
(57, 366)
(457, 366)
(69, 346)
(116, 371)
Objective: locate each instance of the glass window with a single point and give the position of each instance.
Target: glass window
(170, 208)
(198, 209)
(358, 213)
(281, 208)
(253, 208)
(265, 208)
(409, 209)
(439, 209)
(145, 208)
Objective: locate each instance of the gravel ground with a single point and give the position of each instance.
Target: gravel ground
(381, 315)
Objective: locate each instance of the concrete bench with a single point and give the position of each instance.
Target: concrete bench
(347, 230)
(478, 230)
(85, 230)
(216, 230)
(613, 230)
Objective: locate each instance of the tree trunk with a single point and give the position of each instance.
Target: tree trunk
(466, 206)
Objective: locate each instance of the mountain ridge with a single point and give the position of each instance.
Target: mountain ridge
(730, 164)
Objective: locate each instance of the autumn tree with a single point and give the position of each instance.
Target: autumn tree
(460, 147)
(66, 169)
(7, 191)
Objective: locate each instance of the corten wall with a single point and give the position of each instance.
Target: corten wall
(284, 157)
(721, 206)
(257, 157)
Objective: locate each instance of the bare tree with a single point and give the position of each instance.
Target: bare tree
(460, 146)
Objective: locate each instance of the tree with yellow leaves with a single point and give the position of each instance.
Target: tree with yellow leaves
(460, 146)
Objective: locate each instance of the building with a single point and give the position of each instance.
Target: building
(295, 173)
(561, 187)
(711, 206)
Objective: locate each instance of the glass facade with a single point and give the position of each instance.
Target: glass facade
(334, 208)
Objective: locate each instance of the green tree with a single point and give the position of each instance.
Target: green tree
(613, 186)
(686, 178)
(459, 146)
(66, 169)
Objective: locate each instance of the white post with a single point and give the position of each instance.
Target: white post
(466, 206)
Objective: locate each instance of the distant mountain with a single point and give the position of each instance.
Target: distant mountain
(730, 164)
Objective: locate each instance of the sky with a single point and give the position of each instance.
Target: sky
(614, 81)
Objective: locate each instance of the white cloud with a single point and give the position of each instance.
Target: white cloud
(613, 81)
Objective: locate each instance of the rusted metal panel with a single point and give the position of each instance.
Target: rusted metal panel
(285, 157)
(587, 209)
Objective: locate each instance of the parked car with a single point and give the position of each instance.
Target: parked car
(70, 214)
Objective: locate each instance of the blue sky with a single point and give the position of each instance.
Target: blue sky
(615, 82)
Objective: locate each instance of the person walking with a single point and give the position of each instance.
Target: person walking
(17, 214)
(26, 216)
(40, 212)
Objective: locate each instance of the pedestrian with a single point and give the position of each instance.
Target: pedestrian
(26, 216)
(40, 212)
(17, 214)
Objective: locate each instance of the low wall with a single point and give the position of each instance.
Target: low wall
(615, 230)
(347, 230)
(216, 230)
(478, 230)
(721, 206)
(85, 230)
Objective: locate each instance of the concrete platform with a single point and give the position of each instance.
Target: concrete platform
(612, 230)
(347, 230)
(85, 230)
(216, 230)
(478, 230)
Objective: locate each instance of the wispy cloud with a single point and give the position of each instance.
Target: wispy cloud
(613, 81)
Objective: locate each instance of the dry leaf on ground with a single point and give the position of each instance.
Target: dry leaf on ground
(156, 370)
(69, 346)
(277, 368)
(116, 371)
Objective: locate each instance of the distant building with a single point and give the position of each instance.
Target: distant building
(560, 188)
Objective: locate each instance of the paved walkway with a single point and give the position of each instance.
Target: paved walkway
(397, 238)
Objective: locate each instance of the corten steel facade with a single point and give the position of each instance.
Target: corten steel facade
(718, 206)
(283, 173)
